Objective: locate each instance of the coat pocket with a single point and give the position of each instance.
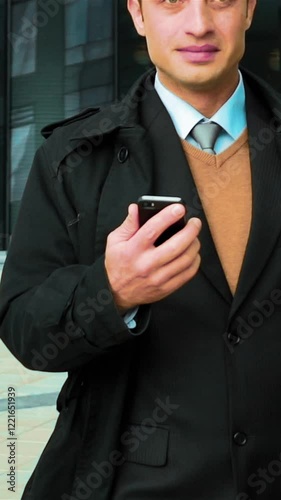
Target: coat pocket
(145, 444)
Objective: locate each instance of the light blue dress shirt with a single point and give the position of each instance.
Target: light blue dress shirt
(231, 116)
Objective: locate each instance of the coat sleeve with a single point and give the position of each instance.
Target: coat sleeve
(55, 314)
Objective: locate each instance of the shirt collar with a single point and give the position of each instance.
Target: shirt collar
(231, 116)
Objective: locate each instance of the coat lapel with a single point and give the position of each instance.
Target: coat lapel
(172, 177)
(265, 147)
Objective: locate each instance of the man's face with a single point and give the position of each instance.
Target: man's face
(195, 44)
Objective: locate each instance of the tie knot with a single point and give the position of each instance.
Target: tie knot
(206, 135)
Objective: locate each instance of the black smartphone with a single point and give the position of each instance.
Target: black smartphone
(151, 205)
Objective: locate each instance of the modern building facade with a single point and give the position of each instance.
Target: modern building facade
(61, 56)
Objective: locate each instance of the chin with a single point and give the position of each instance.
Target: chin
(199, 83)
(205, 79)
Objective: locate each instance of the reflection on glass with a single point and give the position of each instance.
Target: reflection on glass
(71, 103)
(75, 23)
(88, 30)
(23, 38)
(89, 54)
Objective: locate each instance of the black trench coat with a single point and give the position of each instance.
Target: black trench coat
(56, 309)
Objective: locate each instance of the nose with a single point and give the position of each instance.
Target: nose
(198, 18)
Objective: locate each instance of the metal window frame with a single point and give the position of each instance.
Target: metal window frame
(5, 156)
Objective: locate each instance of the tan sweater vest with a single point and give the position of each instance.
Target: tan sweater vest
(224, 186)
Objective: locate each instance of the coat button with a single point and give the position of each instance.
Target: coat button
(233, 339)
(240, 438)
(123, 154)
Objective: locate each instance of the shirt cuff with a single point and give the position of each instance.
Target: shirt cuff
(129, 318)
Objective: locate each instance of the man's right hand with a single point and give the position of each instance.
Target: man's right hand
(140, 273)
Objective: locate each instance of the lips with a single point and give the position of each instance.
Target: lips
(197, 49)
(199, 54)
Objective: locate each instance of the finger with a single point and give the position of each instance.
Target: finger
(182, 277)
(128, 228)
(179, 243)
(179, 265)
(154, 227)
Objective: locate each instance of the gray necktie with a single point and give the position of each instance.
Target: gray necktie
(206, 135)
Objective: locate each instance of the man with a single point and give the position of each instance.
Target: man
(173, 357)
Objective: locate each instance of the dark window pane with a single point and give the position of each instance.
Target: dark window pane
(264, 43)
(89, 54)
(23, 38)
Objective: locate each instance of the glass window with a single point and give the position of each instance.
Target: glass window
(62, 61)
(264, 43)
(133, 59)
(23, 38)
(75, 23)
(89, 54)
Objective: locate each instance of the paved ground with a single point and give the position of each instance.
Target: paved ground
(36, 414)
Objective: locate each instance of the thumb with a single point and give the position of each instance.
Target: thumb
(129, 226)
